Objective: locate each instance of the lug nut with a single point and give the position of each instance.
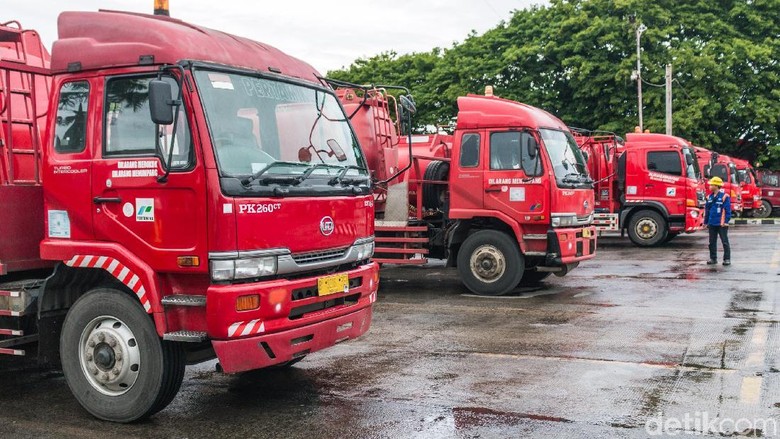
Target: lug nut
(115, 371)
(94, 371)
(105, 377)
(101, 337)
(118, 356)
(112, 342)
(91, 343)
(89, 357)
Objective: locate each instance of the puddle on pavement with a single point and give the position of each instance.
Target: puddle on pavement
(475, 417)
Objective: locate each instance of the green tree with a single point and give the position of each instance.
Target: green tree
(574, 58)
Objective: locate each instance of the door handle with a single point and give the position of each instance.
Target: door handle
(649, 185)
(493, 190)
(98, 200)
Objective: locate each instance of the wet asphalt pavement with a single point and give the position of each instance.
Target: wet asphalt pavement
(624, 346)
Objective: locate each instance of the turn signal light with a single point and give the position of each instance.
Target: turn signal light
(247, 303)
(690, 203)
(188, 261)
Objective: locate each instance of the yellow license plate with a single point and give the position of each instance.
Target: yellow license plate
(338, 283)
(586, 233)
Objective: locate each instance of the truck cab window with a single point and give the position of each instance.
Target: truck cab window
(469, 150)
(71, 125)
(129, 129)
(667, 162)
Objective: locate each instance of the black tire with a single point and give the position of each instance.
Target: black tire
(287, 364)
(162, 363)
(498, 263)
(433, 194)
(647, 228)
(764, 211)
(532, 277)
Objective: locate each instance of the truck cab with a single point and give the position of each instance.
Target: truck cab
(748, 185)
(722, 166)
(769, 184)
(204, 196)
(506, 197)
(649, 185)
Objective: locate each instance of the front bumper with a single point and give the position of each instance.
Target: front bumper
(568, 246)
(266, 350)
(287, 306)
(694, 219)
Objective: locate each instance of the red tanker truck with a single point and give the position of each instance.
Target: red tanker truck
(505, 198)
(648, 185)
(183, 194)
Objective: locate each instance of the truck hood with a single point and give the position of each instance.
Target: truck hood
(302, 224)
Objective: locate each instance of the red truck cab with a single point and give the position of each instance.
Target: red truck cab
(203, 195)
(506, 198)
(649, 185)
(769, 184)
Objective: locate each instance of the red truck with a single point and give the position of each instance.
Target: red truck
(506, 198)
(748, 185)
(769, 183)
(720, 165)
(187, 193)
(649, 185)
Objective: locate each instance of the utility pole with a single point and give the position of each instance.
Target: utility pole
(669, 99)
(639, 30)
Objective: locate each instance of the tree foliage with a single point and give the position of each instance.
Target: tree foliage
(575, 58)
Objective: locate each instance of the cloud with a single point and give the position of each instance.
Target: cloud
(328, 35)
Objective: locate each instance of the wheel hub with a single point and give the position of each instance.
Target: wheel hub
(646, 228)
(109, 355)
(488, 263)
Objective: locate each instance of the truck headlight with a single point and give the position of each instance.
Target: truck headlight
(563, 220)
(248, 268)
(365, 249)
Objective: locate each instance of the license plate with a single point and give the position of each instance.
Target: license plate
(586, 233)
(338, 283)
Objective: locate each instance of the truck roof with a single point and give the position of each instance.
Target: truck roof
(476, 111)
(113, 39)
(655, 139)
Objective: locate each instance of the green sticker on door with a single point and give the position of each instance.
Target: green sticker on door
(144, 210)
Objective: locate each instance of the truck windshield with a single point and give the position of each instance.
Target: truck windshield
(743, 176)
(261, 126)
(565, 157)
(733, 173)
(692, 168)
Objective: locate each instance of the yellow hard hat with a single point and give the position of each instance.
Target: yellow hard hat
(716, 181)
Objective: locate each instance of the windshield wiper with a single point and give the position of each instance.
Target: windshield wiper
(274, 179)
(310, 170)
(339, 179)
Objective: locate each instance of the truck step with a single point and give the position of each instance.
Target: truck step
(16, 341)
(10, 313)
(400, 240)
(416, 261)
(401, 251)
(184, 300)
(397, 229)
(187, 336)
(14, 332)
(17, 352)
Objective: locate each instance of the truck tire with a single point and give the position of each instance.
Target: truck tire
(532, 277)
(490, 263)
(115, 364)
(764, 211)
(433, 194)
(647, 228)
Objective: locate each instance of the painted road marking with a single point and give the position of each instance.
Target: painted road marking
(750, 391)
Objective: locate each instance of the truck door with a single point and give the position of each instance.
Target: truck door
(466, 173)
(156, 220)
(513, 182)
(666, 179)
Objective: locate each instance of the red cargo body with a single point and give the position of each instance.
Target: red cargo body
(451, 196)
(649, 185)
(242, 230)
(719, 165)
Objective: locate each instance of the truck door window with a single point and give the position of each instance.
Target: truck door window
(720, 171)
(469, 150)
(71, 125)
(770, 180)
(128, 127)
(667, 162)
(509, 150)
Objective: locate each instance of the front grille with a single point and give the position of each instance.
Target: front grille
(319, 256)
(299, 312)
(579, 248)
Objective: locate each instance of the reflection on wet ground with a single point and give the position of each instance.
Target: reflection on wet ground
(628, 340)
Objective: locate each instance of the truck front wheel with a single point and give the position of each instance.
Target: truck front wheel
(114, 362)
(764, 211)
(647, 228)
(490, 263)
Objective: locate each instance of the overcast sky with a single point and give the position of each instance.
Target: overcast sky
(327, 34)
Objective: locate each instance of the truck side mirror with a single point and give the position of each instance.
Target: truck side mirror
(160, 102)
(688, 160)
(532, 148)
